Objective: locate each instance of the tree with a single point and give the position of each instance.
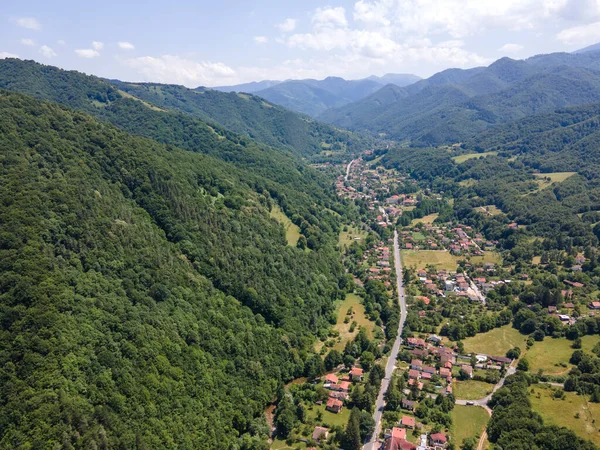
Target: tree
(314, 367)
(367, 425)
(513, 353)
(366, 360)
(351, 439)
(523, 365)
(333, 359)
(469, 444)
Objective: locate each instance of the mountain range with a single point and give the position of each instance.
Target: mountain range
(454, 104)
(312, 97)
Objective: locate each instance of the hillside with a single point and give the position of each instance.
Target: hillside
(113, 238)
(243, 114)
(312, 97)
(452, 107)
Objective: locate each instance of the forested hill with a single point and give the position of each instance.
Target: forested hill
(148, 299)
(243, 114)
(454, 106)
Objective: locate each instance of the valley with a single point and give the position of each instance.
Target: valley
(382, 263)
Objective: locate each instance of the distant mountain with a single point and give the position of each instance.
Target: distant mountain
(591, 48)
(250, 88)
(399, 79)
(312, 97)
(455, 104)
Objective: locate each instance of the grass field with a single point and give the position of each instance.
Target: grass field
(417, 236)
(347, 237)
(490, 210)
(471, 389)
(292, 231)
(278, 444)
(420, 258)
(491, 257)
(427, 219)
(330, 419)
(468, 421)
(562, 412)
(554, 177)
(351, 301)
(495, 342)
(550, 353)
(462, 158)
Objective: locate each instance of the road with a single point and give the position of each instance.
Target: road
(373, 443)
(348, 168)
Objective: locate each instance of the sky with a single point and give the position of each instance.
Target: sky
(225, 42)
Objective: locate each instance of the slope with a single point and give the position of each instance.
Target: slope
(149, 300)
(312, 97)
(505, 91)
(250, 116)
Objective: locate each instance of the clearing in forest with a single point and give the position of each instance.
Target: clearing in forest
(553, 355)
(574, 412)
(547, 179)
(292, 231)
(462, 158)
(468, 421)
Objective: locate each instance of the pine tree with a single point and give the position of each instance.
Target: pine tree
(352, 434)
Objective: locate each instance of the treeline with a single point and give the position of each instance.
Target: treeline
(514, 425)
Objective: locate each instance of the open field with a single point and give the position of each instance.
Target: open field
(278, 444)
(468, 421)
(417, 236)
(462, 158)
(562, 412)
(292, 231)
(330, 419)
(420, 258)
(427, 219)
(471, 389)
(351, 301)
(547, 179)
(492, 257)
(347, 237)
(550, 353)
(495, 342)
(490, 210)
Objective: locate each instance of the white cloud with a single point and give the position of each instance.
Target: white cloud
(87, 53)
(4, 55)
(29, 22)
(60, 42)
(580, 35)
(261, 39)
(29, 42)
(335, 17)
(174, 69)
(47, 52)
(510, 48)
(97, 45)
(287, 26)
(124, 45)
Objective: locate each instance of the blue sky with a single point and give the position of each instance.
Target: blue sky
(227, 42)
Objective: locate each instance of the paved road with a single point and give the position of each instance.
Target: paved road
(373, 443)
(349, 167)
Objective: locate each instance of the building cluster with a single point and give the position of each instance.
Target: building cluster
(339, 388)
(456, 240)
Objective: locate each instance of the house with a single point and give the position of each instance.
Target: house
(407, 422)
(426, 376)
(438, 439)
(414, 382)
(429, 369)
(416, 364)
(420, 353)
(551, 309)
(445, 372)
(331, 379)
(356, 374)
(408, 404)
(467, 369)
(500, 359)
(569, 305)
(594, 305)
(425, 300)
(399, 433)
(435, 339)
(344, 386)
(334, 405)
(339, 395)
(421, 273)
(414, 374)
(320, 434)
(416, 343)
(398, 444)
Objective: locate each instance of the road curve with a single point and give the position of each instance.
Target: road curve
(348, 168)
(373, 443)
